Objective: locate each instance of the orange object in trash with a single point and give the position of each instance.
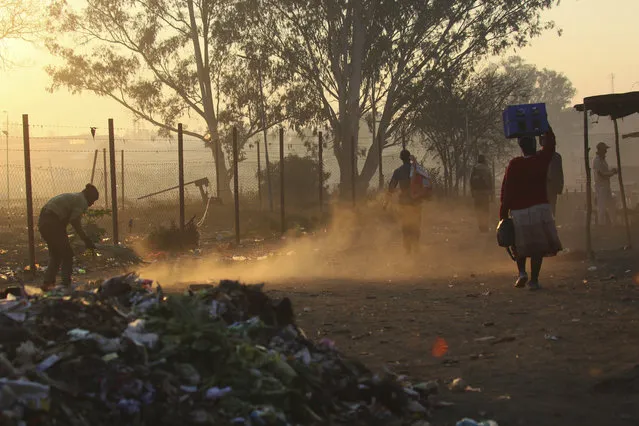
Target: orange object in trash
(440, 347)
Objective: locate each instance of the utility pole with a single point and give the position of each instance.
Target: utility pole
(612, 82)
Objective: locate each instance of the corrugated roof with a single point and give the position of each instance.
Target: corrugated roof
(615, 105)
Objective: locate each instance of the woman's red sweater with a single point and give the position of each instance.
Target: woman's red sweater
(525, 179)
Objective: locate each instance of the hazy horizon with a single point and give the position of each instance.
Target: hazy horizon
(581, 53)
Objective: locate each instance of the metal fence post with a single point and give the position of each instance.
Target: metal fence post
(106, 180)
(95, 160)
(236, 187)
(29, 191)
(320, 166)
(380, 147)
(181, 173)
(259, 174)
(282, 208)
(114, 187)
(353, 167)
(122, 179)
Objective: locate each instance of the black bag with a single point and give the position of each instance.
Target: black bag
(506, 235)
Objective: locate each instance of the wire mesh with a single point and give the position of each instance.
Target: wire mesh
(66, 158)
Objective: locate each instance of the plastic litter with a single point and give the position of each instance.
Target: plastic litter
(217, 393)
(471, 422)
(220, 354)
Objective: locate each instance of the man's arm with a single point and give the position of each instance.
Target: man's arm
(598, 166)
(77, 225)
(549, 144)
(393, 182)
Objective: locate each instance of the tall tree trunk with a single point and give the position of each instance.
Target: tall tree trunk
(349, 110)
(204, 78)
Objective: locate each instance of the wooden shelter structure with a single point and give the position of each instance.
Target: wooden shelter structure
(615, 106)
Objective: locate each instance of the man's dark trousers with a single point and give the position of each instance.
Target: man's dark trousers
(54, 233)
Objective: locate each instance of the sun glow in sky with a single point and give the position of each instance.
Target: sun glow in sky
(599, 39)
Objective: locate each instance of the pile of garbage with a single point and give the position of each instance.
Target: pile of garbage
(126, 353)
(173, 239)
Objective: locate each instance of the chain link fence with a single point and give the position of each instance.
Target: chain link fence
(65, 158)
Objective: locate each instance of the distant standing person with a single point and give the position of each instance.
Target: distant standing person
(524, 198)
(410, 209)
(56, 215)
(481, 188)
(603, 191)
(555, 185)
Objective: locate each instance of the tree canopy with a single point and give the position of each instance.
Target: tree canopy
(329, 64)
(463, 115)
(352, 55)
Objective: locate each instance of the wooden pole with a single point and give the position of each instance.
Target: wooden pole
(236, 187)
(29, 192)
(353, 168)
(259, 174)
(282, 207)
(106, 180)
(588, 185)
(181, 174)
(621, 187)
(320, 167)
(114, 187)
(95, 160)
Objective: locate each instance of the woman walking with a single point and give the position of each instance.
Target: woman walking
(524, 197)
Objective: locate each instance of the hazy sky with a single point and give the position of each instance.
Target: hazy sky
(598, 39)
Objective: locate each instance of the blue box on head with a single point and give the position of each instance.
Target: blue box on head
(525, 120)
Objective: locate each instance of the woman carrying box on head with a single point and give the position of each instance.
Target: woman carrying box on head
(524, 197)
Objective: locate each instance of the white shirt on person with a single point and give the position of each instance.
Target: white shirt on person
(602, 172)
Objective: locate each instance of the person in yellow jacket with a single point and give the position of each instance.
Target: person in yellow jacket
(55, 217)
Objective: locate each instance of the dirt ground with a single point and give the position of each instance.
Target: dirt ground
(533, 358)
(524, 378)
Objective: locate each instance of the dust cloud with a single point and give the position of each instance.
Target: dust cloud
(362, 244)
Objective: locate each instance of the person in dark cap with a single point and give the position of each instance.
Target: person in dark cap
(481, 188)
(410, 209)
(56, 215)
(524, 198)
(603, 191)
